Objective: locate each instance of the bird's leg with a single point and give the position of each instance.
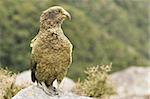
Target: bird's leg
(50, 90)
(59, 88)
(39, 85)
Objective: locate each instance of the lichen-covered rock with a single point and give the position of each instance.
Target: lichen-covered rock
(34, 92)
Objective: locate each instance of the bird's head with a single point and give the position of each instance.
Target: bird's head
(53, 17)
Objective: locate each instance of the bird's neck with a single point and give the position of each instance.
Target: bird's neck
(50, 24)
(47, 27)
(52, 30)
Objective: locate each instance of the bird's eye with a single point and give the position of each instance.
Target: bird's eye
(59, 11)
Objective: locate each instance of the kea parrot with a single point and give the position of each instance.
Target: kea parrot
(51, 54)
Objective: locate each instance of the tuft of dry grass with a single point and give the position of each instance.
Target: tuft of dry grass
(97, 83)
(7, 87)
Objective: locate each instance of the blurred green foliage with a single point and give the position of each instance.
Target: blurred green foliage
(102, 31)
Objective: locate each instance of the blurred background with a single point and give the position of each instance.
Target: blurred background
(102, 31)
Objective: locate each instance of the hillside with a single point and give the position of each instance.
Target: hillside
(102, 31)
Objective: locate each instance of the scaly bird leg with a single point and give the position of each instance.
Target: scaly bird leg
(59, 87)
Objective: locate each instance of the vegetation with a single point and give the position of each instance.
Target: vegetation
(11, 91)
(97, 83)
(7, 87)
(102, 31)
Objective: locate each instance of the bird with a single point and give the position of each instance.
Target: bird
(51, 54)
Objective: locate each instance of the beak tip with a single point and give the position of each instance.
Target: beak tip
(67, 15)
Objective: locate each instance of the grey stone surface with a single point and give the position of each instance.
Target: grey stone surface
(34, 92)
(23, 80)
(132, 83)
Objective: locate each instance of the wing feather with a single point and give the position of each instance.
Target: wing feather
(33, 69)
(33, 63)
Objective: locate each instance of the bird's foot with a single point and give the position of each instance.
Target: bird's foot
(55, 90)
(39, 85)
(60, 91)
(51, 91)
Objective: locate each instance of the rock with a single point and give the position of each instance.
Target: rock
(34, 92)
(67, 84)
(24, 80)
(132, 83)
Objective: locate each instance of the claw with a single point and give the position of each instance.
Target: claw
(55, 90)
(51, 91)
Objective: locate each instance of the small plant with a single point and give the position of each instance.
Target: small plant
(7, 87)
(97, 84)
(11, 91)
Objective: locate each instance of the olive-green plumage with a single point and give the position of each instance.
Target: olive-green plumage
(51, 49)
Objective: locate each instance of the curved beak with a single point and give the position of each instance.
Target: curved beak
(66, 14)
